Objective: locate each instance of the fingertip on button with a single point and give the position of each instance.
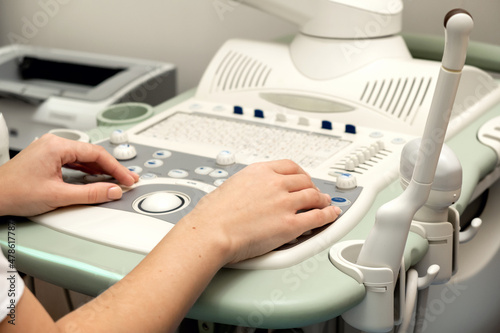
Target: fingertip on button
(114, 193)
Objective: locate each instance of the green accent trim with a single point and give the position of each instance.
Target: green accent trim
(482, 55)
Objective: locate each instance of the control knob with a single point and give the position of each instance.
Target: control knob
(346, 181)
(124, 152)
(118, 136)
(225, 157)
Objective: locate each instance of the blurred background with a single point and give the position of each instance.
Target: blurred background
(187, 33)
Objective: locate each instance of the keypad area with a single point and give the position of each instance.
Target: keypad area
(259, 141)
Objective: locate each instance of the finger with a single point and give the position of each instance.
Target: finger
(308, 199)
(316, 218)
(298, 182)
(87, 168)
(89, 154)
(94, 169)
(286, 167)
(88, 194)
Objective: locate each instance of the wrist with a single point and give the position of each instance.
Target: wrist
(207, 243)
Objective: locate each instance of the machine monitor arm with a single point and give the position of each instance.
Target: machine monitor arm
(339, 19)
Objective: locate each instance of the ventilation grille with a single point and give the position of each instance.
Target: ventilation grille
(237, 71)
(398, 97)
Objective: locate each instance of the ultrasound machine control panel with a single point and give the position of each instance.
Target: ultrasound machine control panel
(189, 150)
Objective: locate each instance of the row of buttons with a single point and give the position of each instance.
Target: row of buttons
(325, 124)
(172, 174)
(179, 173)
(363, 154)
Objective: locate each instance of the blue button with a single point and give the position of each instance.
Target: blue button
(340, 201)
(258, 113)
(325, 124)
(350, 129)
(238, 109)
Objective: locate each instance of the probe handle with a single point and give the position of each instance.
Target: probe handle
(385, 244)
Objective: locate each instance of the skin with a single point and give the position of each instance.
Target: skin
(250, 214)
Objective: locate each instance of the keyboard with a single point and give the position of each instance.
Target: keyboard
(255, 141)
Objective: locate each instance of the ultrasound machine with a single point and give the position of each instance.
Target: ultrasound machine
(416, 247)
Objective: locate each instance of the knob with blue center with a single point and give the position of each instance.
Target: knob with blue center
(225, 157)
(118, 136)
(124, 152)
(346, 181)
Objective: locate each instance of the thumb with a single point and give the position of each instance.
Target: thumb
(90, 194)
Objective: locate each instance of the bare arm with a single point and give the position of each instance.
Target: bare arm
(250, 214)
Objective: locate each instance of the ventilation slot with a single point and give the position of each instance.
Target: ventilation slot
(398, 97)
(237, 71)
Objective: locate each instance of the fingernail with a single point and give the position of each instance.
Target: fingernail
(338, 210)
(114, 193)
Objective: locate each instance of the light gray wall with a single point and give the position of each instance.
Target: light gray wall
(186, 32)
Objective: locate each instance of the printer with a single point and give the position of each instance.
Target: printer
(44, 88)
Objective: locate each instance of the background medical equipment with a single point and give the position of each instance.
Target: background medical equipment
(44, 88)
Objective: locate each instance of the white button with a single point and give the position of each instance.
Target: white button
(203, 170)
(354, 159)
(367, 153)
(178, 173)
(148, 176)
(303, 121)
(376, 134)
(162, 154)
(361, 157)
(349, 165)
(398, 141)
(219, 108)
(218, 173)
(135, 168)
(195, 106)
(153, 163)
(281, 117)
(219, 182)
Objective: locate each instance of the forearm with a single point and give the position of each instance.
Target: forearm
(159, 291)
(248, 215)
